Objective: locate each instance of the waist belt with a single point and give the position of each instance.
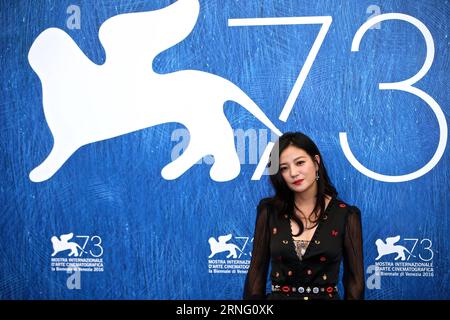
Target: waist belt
(304, 289)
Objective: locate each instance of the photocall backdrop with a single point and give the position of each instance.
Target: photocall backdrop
(134, 137)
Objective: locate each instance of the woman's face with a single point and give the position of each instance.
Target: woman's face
(298, 169)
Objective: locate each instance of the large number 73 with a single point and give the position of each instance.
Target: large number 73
(406, 86)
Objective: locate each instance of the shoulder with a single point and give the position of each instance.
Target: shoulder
(264, 202)
(347, 210)
(345, 205)
(263, 212)
(264, 205)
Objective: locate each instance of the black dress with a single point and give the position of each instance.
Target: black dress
(315, 274)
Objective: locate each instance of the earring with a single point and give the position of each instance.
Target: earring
(317, 175)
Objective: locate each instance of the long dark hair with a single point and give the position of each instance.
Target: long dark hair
(283, 200)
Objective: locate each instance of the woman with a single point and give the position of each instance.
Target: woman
(304, 231)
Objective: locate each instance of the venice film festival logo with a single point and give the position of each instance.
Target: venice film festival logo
(228, 257)
(125, 94)
(74, 257)
(86, 103)
(410, 257)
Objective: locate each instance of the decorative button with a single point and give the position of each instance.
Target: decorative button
(324, 277)
(277, 274)
(309, 272)
(316, 290)
(342, 205)
(308, 290)
(323, 259)
(274, 231)
(286, 216)
(285, 241)
(305, 298)
(316, 241)
(329, 289)
(285, 289)
(330, 295)
(325, 217)
(301, 289)
(334, 233)
(289, 273)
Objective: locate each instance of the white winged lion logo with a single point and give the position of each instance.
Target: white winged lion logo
(390, 247)
(222, 246)
(84, 102)
(64, 244)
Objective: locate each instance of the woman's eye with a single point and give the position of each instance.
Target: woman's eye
(282, 168)
(300, 163)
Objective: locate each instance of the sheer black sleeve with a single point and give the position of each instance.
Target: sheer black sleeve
(353, 277)
(256, 280)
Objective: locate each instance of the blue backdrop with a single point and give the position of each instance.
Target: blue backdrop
(145, 237)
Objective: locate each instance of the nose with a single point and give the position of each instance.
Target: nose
(293, 172)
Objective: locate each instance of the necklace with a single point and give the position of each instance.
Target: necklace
(300, 247)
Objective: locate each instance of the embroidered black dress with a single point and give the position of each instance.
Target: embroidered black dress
(313, 275)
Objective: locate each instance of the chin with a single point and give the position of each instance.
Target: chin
(303, 187)
(297, 188)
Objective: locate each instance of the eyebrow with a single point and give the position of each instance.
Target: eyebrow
(294, 160)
